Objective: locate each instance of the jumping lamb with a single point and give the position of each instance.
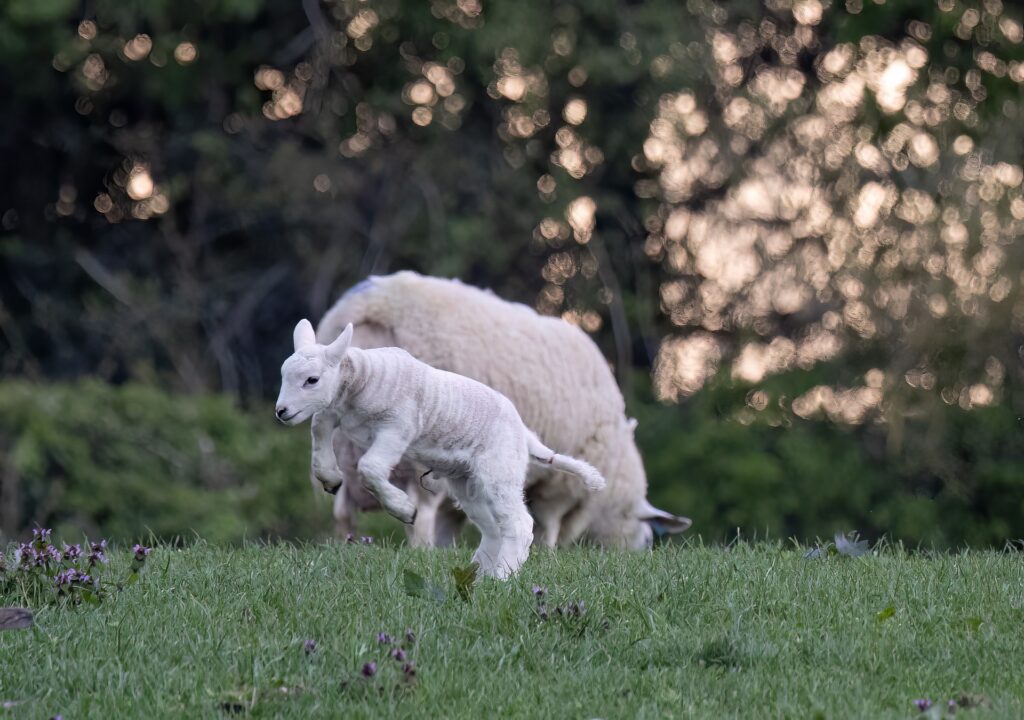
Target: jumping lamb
(394, 406)
(557, 379)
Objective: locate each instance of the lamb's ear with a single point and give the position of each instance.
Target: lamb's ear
(337, 349)
(664, 523)
(303, 336)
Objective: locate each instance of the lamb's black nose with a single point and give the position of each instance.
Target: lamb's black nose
(281, 412)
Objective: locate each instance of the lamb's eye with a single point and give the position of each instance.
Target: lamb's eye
(311, 381)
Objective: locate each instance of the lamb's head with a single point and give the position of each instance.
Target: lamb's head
(312, 376)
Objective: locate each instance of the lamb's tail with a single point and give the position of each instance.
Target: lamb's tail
(540, 454)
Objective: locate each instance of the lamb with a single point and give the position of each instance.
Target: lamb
(553, 373)
(396, 407)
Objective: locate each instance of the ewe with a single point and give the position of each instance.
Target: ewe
(551, 371)
(396, 407)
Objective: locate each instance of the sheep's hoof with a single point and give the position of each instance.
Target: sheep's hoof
(332, 490)
(412, 520)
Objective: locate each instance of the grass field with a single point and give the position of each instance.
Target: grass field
(684, 631)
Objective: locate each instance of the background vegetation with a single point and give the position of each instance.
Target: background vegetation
(791, 225)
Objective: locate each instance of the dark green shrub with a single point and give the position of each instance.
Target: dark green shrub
(955, 478)
(128, 460)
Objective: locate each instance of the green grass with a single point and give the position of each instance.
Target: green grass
(683, 631)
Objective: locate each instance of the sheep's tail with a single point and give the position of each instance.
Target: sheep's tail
(363, 306)
(540, 454)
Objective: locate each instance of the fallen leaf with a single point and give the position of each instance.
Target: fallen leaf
(15, 618)
(464, 579)
(851, 548)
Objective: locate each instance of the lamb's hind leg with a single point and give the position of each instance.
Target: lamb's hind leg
(375, 468)
(495, 505)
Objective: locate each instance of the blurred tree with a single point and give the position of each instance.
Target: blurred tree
(809, 207)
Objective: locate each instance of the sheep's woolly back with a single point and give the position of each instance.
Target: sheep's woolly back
(554, 374)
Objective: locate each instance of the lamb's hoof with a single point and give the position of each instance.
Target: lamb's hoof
(412, 521)
(332, 489)
(328, 473)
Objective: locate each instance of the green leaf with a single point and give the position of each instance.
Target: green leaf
(886, 614)
(973, 623)
(464, 579)
(90, 597)
(416, 586)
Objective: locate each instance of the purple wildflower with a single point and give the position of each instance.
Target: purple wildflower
(409, 669)
(141, 551)
(366, 540)
(384, 639)
(72, 552)
(41, 535)
(369, 669)
(309, 646)
(542, 612)
(410, 636)
(97, 552)
(923, 704)
(952, 706)
(70, 577)
(25, 555)
(539, 591)
(51, 554)
(398, 654)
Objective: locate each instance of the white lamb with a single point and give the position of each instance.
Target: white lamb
(396, 407)
(554, 374)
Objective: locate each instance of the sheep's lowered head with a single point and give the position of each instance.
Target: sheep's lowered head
(312, 376)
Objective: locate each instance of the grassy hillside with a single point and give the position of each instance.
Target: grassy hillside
(751, 631)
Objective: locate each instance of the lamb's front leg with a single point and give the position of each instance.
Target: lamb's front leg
(375, 471)
(325, 462)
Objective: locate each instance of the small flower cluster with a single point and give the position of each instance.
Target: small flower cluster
(42, 572)
(67, 579)
(403, 669)
(936, 709)
(364, 539)
(575, 609)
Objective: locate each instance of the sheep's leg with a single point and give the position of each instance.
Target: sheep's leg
(344, 515)
(550, 514)
(489, 551)
(448, 524)
(325, 462)
(516, 537)
(497, 508)
(375, 468)
(422, 532)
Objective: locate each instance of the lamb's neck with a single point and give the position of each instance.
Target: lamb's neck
(355, 374)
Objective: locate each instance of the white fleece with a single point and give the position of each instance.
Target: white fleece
(394, 406)
(554, 374)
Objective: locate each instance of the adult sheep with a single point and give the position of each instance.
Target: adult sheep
(552, 372)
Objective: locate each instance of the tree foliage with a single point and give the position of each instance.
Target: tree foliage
(809, 208)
